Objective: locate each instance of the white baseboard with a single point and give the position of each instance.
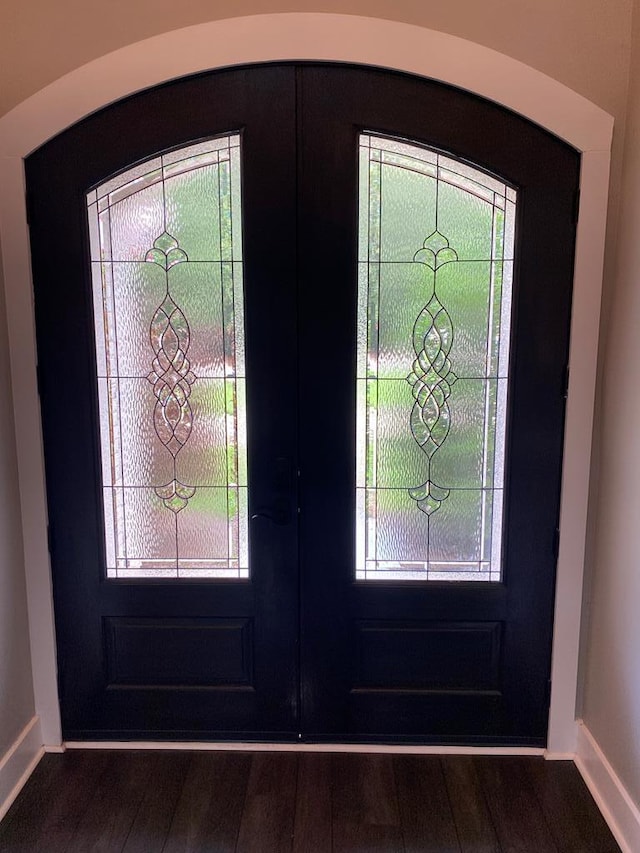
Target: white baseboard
(238, 746)
(613, 799)
(19, 762)
(559, 756)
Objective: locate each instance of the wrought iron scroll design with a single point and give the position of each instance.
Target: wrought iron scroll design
(431, 376)
(171, 374)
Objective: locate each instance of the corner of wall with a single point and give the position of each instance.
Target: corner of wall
(613, 799)
(19, 762)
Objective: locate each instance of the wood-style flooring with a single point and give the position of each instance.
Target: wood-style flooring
(270, 802)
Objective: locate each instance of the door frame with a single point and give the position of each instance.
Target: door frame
(328, 37)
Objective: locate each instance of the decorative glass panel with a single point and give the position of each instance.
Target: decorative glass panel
(166, 251)
(436, 241)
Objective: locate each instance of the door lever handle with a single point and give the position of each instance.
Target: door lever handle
(279, 512)
(276, 516)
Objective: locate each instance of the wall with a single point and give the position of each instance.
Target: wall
(581, 43)
(16, 692)
(611, 697)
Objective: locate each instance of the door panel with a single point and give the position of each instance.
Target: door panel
(124, 646)
(340, 617)
(301, 648)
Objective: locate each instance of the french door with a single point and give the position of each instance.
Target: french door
(302, 339)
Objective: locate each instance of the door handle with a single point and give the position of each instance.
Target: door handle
(279, 517)
(280, 510)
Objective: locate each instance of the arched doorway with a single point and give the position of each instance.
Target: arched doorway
(325, 37)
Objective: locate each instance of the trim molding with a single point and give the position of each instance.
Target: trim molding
(607, 789)
(19, 762)
(243, 746)
(331, 37)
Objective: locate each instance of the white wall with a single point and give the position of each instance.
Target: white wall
(16, 691)
(582, 43)
(611, 695)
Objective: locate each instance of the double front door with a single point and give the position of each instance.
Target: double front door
(302, 337)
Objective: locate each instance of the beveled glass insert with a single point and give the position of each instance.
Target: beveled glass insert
(436, 243)
(166, 257)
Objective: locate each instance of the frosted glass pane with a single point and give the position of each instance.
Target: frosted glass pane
(466, 220)
(401, 298)
(408, 211)
(150, 529)
(132, 180)
(94, 232)
(144, 457)
(456, 172)
(197, 288)
(402, 533)
(436, 242)
(165, 241)
(204, 528)
(132, 225)
(459, 459)
(203, 460)
(363, 201)
(138, 289)
(455, 529)
(236, 230)
(193, 212)
(464, 288)
(399, 457)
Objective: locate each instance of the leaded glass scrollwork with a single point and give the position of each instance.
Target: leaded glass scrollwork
(431, 376)
(436, 240)
(168, 306)
(171, 374)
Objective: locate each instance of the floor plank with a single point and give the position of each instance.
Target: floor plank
(573, 818)
(24, 819)
(351, 837)
(108, 819)
(312, 827)
(207, 817)
(49, 809)
(427, 819)
(518, 819)
(269, 809)
(365, 809)
(471, 815)
(153, 820)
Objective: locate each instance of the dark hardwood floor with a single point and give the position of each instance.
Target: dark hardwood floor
(269, 802)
